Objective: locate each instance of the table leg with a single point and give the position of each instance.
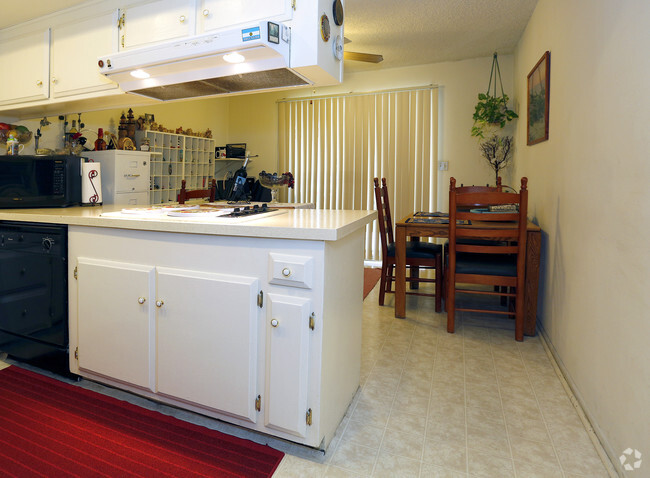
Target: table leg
(533, 253)
(400, 272)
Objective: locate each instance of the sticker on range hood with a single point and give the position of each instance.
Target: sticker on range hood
(249, 34)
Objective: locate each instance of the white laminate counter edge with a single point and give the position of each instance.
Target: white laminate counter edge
(301, 224)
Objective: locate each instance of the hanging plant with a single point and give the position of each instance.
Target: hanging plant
(492, 110)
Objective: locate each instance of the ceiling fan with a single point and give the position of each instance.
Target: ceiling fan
(356, 56)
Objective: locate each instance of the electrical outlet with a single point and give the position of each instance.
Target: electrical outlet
(443, 165)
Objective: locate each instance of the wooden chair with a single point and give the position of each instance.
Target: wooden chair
(209, 193)
(480, 189)
(500, 262)
(418, 254)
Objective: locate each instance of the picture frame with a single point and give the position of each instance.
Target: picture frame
(539, 82)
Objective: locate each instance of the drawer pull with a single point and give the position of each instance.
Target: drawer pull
(286, 272)
(275, 322)
(131, 175)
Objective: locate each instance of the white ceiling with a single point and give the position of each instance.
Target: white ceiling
(405, 32)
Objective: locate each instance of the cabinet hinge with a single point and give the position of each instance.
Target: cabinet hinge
(312, 320)
(260, 299)
(121, 20)
(293, 4)
(76, 272)
(258, 403)
(76, 353)
(308, 417)
(122, 41)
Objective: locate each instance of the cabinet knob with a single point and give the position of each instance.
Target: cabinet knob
(159, 303)
(39, 83)
(286, 272)
(206, 12)
(181, 18)
(141, 300)
(54, 80)
(275, 322)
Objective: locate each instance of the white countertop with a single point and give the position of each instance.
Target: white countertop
(306, 224)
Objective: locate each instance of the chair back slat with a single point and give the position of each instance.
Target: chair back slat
(383, 214)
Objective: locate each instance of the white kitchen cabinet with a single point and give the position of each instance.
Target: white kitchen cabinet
(152, 22)
(287, 363)
(217, 349)
(115, 335)
(206, 336)
(181, 333)
(74, 51)
(25, 70)
(224, 14)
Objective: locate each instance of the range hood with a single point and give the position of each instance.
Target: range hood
(203, 65)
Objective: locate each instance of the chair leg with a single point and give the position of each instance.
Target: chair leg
(382, 283)
(519, 320)
(415, 274)
(450, 304)
(438, 282)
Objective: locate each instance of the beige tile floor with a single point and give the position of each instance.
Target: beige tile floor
(432, 404)
(470, 404)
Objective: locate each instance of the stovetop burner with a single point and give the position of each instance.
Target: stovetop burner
(250, 210)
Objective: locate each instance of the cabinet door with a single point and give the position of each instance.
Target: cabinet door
(225, 14)
(25, 69)
(287, 363)
(75, 48)
(115, 320)
(153, 22)
(207, 339)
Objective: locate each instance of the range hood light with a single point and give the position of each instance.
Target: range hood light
(234, 57)
(140, 74)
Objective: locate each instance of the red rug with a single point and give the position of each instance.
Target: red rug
(49, 428)
(370, 278)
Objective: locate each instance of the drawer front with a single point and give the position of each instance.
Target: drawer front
(131, 174)
(132, 199)
(290, 270)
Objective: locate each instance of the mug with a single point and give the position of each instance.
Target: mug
(14, 147)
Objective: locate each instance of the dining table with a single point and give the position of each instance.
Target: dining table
(424, 224)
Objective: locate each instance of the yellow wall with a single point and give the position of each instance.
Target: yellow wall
(589, 192)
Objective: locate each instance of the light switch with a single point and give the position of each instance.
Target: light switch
(443, 165)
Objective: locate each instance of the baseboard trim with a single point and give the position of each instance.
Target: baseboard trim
(605, 452)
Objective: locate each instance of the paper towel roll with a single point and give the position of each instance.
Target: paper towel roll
(91, 183)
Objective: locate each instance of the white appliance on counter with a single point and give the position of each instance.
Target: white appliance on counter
(125, 176)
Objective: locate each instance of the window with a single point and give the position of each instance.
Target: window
(335, 146)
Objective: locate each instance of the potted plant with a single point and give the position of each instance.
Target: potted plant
(492, 110)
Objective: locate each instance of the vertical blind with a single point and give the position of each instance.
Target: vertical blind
(335, 146)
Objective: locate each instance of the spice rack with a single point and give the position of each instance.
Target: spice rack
(175, 157)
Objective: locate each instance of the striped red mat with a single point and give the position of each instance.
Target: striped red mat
(51, 428)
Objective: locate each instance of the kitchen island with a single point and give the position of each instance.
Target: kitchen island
(257, 323)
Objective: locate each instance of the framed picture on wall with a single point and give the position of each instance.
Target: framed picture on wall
(538, 94)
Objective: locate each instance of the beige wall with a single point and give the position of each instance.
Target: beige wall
(589, 192)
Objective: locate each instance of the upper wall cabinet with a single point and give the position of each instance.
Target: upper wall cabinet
(222, 14)
(156, 21)
(25, 72)
(74, 51)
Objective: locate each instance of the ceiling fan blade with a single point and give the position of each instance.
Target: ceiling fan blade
(367, 57)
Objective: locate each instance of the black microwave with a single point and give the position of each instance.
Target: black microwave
(40, 181)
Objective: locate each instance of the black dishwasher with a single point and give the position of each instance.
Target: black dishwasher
(34, 294)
